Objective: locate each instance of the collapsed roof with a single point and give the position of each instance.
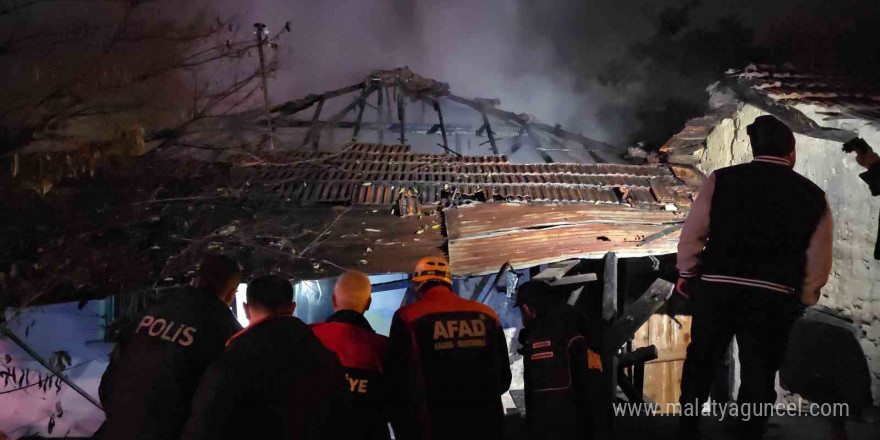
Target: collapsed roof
(839, 96)
(307, 214)
(812, 104)
(399, 106)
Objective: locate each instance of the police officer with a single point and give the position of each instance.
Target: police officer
(274, 381)
(563, 376)
(361, 352)
(447, 362)
(155, 368)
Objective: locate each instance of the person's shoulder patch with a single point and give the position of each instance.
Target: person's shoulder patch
(594, 361)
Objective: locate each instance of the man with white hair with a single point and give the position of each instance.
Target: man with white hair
(361, 351)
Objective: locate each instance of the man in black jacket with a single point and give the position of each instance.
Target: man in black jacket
(758, 238)
(155, 368)
(869, 160)
(563, 378)
(274, 381)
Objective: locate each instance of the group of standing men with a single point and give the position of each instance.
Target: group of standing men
(185, 369)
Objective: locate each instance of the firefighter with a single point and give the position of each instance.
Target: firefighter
(447, 362)
(361, 351)
(155, 368)
(758, 241)
(563, 377)
(274, 381)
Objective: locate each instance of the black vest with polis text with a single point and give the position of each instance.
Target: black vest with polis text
(761, 221)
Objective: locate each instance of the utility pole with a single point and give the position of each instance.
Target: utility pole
(262, 34)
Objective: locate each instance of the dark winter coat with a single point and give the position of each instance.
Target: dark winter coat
(154, 371)
(448, 366)
(362, 354)
(275, 381)
(872, 178)
(564, 382)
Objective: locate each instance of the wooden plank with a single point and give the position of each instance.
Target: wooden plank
(522, 119)
(573, 298)
(380, 110)
(297, 105)
(363, 103)
(527, 248)
(556, 271)
(575, 279)
(442, 127)
(637, 314)
(489, 132)
(487, 218)
(401, 114)
(609, 290)
(315, 126)
(661, 191)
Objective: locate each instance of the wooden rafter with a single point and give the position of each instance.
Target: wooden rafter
(489, 131)
(298, 105)
(314, 126)
(381, 113)
(401, 113)
(362, 101)
(442, 127)
(519, 119)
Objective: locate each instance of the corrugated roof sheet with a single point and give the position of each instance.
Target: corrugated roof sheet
(367, 174)
(530, 247)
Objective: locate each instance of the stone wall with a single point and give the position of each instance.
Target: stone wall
(854, 286)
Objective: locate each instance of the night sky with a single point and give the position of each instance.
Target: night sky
(621, 72)
(556, 59)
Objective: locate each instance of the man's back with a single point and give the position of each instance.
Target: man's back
(362, 354)
(148, 388)
(457, 355)
(763, 216)
(563, 378)
(275, 381)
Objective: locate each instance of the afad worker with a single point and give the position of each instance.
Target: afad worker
(447, 362)
(274, 381)
(564, 381)
(156, 366)
(362, 354)
(759, 239)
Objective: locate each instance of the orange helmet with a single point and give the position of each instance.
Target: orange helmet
(432, 268)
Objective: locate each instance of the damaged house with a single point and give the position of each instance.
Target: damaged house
(370, 177)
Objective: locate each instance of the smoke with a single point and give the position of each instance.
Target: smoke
(605, 69)
(489, 49)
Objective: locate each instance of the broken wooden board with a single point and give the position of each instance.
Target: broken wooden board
(524, 248)
(483, 218)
